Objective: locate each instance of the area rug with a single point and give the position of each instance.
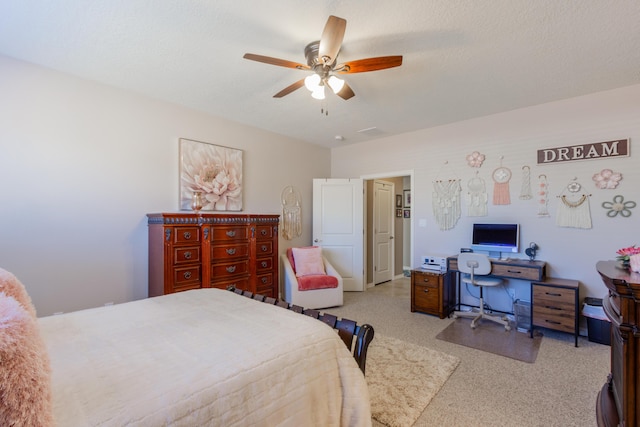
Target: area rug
(403, 378)
(492, 338)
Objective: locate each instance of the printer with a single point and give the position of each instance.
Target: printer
(434, 262)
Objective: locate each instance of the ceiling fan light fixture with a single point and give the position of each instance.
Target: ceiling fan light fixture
(336, 84)
(312, 82)
(318, 92)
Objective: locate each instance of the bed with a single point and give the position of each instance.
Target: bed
(205, 357)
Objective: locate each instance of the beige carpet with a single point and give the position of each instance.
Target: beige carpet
(403, 378)
(491, 337)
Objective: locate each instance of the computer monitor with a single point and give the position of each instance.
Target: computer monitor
(496, 238)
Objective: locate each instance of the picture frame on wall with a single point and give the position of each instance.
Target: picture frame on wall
(398, 213)
(407, 198)
(213, 171)
(407, 213)
(398, 200)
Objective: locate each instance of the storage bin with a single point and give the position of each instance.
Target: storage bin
(522, 312)
(598, 324)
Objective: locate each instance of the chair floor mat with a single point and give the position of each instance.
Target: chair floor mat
(492, 338)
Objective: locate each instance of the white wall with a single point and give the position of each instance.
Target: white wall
(81, 164)
(517, 135)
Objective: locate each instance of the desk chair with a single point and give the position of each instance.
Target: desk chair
(478, 266)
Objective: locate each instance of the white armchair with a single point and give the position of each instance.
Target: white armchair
(312, 298)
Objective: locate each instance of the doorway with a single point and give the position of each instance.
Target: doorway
(402, 226)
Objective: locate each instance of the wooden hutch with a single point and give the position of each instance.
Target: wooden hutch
(618, 402)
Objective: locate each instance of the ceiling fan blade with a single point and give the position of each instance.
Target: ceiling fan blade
(275, 61)
(369, 64)
(287, 90)
(331, 39)
(346, 92)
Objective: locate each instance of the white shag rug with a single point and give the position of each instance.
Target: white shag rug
(403, 378)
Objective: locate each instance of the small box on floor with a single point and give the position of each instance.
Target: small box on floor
(522, 311)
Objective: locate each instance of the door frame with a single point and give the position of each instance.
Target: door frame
(382, 175)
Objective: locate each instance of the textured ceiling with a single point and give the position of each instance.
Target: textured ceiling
(462, 58)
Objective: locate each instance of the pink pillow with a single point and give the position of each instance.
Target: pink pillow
(308, 261)
(25, 374)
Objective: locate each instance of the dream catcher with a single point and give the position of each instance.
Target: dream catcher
(291, 213)
(543, 196)
(525, 190)
(501, 177)
(477, 197)
(446, 202)
(573, 209)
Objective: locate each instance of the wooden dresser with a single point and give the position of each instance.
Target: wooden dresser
(618, 403)
(209, 250)
(432, 293)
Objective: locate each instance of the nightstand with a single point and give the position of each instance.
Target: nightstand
(432, 293)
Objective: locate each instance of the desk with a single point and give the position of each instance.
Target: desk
(521, 269)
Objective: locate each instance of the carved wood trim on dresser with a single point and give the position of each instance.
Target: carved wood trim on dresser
(190, 251)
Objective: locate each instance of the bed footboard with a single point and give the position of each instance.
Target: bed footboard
(356, 337)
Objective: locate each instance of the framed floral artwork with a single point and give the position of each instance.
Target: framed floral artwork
(212, 170)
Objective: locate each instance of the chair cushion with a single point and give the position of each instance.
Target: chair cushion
(308, 261)
(319, 281)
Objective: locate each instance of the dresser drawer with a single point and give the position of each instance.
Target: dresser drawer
(264, 232)
(186, 235)
(220, 271)
(238, 250)
(237, 282)
(264, 264)
(557, 298)
(225, 233)
(264, 248)
(186, 254)
(427, 297)
(186, 277)
(425, 279)
(264, 283)
(516, 271)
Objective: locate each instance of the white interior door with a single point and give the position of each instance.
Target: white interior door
(382, 231)
(338, 226)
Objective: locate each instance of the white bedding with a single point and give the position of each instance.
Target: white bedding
(206, 357)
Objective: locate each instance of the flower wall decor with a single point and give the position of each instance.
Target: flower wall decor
(607, 179)
(619, 206)
(213, 170)
(475, 159)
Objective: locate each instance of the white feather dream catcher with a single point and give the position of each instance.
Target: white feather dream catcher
(291, 213)
(573, 209)
(446, 202)
(476, 197)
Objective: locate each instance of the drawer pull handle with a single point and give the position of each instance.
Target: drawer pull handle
(187, 235)
(263, 232)
(426, 291)
(550, 307)
(264, 280)
(187, 275)
(231, 251)
(264, 248)
(552, 321)
(231, 269)
(187, 255)
(514, 271)
(553, 294)
(264, 264)
(231, 233)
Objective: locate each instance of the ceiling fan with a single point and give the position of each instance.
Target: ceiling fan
(322, 58)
